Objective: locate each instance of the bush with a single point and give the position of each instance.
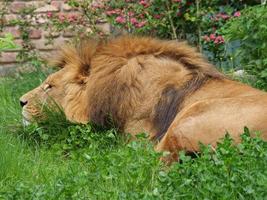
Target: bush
(250, 30)
(196, 21)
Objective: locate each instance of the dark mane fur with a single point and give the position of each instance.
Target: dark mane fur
(170, 103)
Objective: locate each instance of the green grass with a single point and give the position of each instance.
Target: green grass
(60, 160)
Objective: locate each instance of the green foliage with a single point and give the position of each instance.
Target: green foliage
(56, 159)
(7, 43)
(193, 20)
(251, 31)
(3, 11)
(80, 25)
(70, 139)
(196, 21)
(26, 22)
(86, 162)
(231, 172)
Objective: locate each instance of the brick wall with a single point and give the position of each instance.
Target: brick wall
(38, 36)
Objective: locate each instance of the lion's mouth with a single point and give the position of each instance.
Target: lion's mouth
(26, 119)
(25, 122)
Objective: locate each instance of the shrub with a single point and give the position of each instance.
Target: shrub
(250, 30)
(195, 21)
(81, 24)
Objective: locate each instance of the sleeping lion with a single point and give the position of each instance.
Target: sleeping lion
(164, 88)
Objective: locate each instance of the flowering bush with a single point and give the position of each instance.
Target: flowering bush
(83, 23)
(195, 21)
(199, 22)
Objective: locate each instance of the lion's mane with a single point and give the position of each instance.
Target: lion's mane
(133, 78)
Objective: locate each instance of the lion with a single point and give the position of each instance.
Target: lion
(164, 88)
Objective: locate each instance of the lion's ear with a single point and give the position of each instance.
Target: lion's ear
(85, 51)
(76, 58)
(65, 55)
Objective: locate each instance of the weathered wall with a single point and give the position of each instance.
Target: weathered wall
(38, 35)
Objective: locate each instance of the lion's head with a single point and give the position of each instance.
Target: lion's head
(64, 89)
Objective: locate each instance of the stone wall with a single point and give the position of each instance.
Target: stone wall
(38, 35)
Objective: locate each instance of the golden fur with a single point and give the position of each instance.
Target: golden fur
(165, 88)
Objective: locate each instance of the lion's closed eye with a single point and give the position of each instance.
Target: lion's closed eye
(47, 87)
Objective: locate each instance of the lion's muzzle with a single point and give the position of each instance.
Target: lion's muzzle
(23, 103)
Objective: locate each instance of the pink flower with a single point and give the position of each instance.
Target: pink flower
(113, 12)
(49, 14)
(118, 11)
(206, 38)
(225, 16)
(157, 16)
(120, 19)
(72, 17)
(144, 3)
(61, 17)
(110, 12)
(133, 21)
(237, 14)
(212, 36)
(219, 40)
(177, 1)
(221, 16)
(130, 13)
(140, 24)
(96, 5)
(142, 16)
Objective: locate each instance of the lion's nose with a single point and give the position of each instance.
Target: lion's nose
(23, 103)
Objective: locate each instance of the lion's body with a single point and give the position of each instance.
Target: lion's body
(207, 120)
(164, 88)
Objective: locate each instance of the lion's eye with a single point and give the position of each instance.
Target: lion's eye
(47, 87)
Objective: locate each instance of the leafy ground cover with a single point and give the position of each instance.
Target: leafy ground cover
(60, 160)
